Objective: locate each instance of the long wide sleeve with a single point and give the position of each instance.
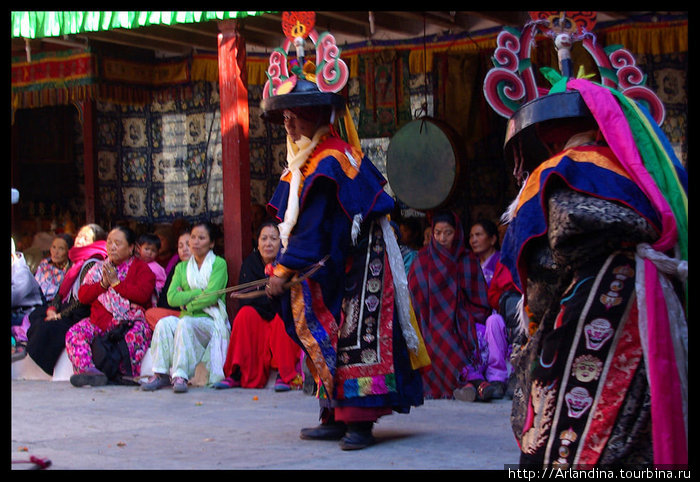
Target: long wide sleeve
(179, 291)
(217, 281)
(185, 296)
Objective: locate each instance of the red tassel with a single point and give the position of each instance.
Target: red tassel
(41, 463)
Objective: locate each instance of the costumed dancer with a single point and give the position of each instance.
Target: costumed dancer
(597, 243)
(351, 317)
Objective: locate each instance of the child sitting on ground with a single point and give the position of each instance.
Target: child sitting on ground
(147, 249)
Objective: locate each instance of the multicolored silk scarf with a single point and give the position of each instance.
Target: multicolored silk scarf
(49, 276)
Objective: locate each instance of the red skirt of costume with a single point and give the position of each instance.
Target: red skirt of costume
(257, 346)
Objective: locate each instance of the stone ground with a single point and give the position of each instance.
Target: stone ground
(122, 427)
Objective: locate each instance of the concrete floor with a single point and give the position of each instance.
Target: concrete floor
(122, 427)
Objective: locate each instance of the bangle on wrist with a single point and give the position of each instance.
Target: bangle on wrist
(115, 283)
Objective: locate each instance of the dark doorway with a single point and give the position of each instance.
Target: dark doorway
(46, 147)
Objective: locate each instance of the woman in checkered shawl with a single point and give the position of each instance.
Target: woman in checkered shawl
(449, 297)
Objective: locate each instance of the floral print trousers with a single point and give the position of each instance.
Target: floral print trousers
(80, 336)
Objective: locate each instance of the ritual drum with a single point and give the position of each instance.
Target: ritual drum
(423, 163)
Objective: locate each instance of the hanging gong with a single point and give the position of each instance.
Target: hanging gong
(422, 163)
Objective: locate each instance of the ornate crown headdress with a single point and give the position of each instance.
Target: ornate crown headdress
(511, 89)
(300, 83)
(511, 82)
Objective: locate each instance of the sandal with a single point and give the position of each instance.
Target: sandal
(19, 351)
(479, 390)
(179, 385)
(281, 385)
(227, 383)
(467, 393)
(156, 382)
(486, 391)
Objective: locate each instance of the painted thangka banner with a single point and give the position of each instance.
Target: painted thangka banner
(161, 161)
(175, 190)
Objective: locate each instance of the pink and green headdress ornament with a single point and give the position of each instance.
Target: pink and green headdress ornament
(299, 83)
(511, 82)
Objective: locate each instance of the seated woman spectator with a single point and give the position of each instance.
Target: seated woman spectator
(504, 297)
(26, 292)
(201, 332)
(163, 308)
(118, 291)
(493, 342)
(147, 247)
(167, 254)
(26, 296)
(39, 249)
(259, 341)
(50, 322)
(449, 297)
(51, 271)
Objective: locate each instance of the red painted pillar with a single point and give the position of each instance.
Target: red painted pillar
(233, 91)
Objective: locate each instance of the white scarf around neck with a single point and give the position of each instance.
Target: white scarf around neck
(198, 277)
(297, 154)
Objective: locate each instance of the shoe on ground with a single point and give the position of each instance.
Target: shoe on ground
(499, 390)
(281, 385)
(19, 351)
(467, 393)
(358, 436)
(179, 385)
(227, 383)
(485, 391)
(92, 377)
(325, 431)
(155, 382)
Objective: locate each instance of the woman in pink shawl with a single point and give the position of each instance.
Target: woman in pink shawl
(50, 322)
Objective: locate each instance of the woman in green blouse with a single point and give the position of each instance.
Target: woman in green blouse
(201, 332)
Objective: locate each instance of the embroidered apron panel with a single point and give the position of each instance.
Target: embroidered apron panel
(585, 365)
(365, 353)
(355, 357)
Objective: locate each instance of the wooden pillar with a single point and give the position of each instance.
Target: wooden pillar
(89, 164)
(233, 92)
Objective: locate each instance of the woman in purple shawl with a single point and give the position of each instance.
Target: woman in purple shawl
(493, 341)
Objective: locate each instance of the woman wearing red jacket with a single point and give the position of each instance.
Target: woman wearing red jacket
(118, 290)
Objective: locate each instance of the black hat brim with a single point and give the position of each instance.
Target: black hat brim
(274, 106)
(521, 127)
